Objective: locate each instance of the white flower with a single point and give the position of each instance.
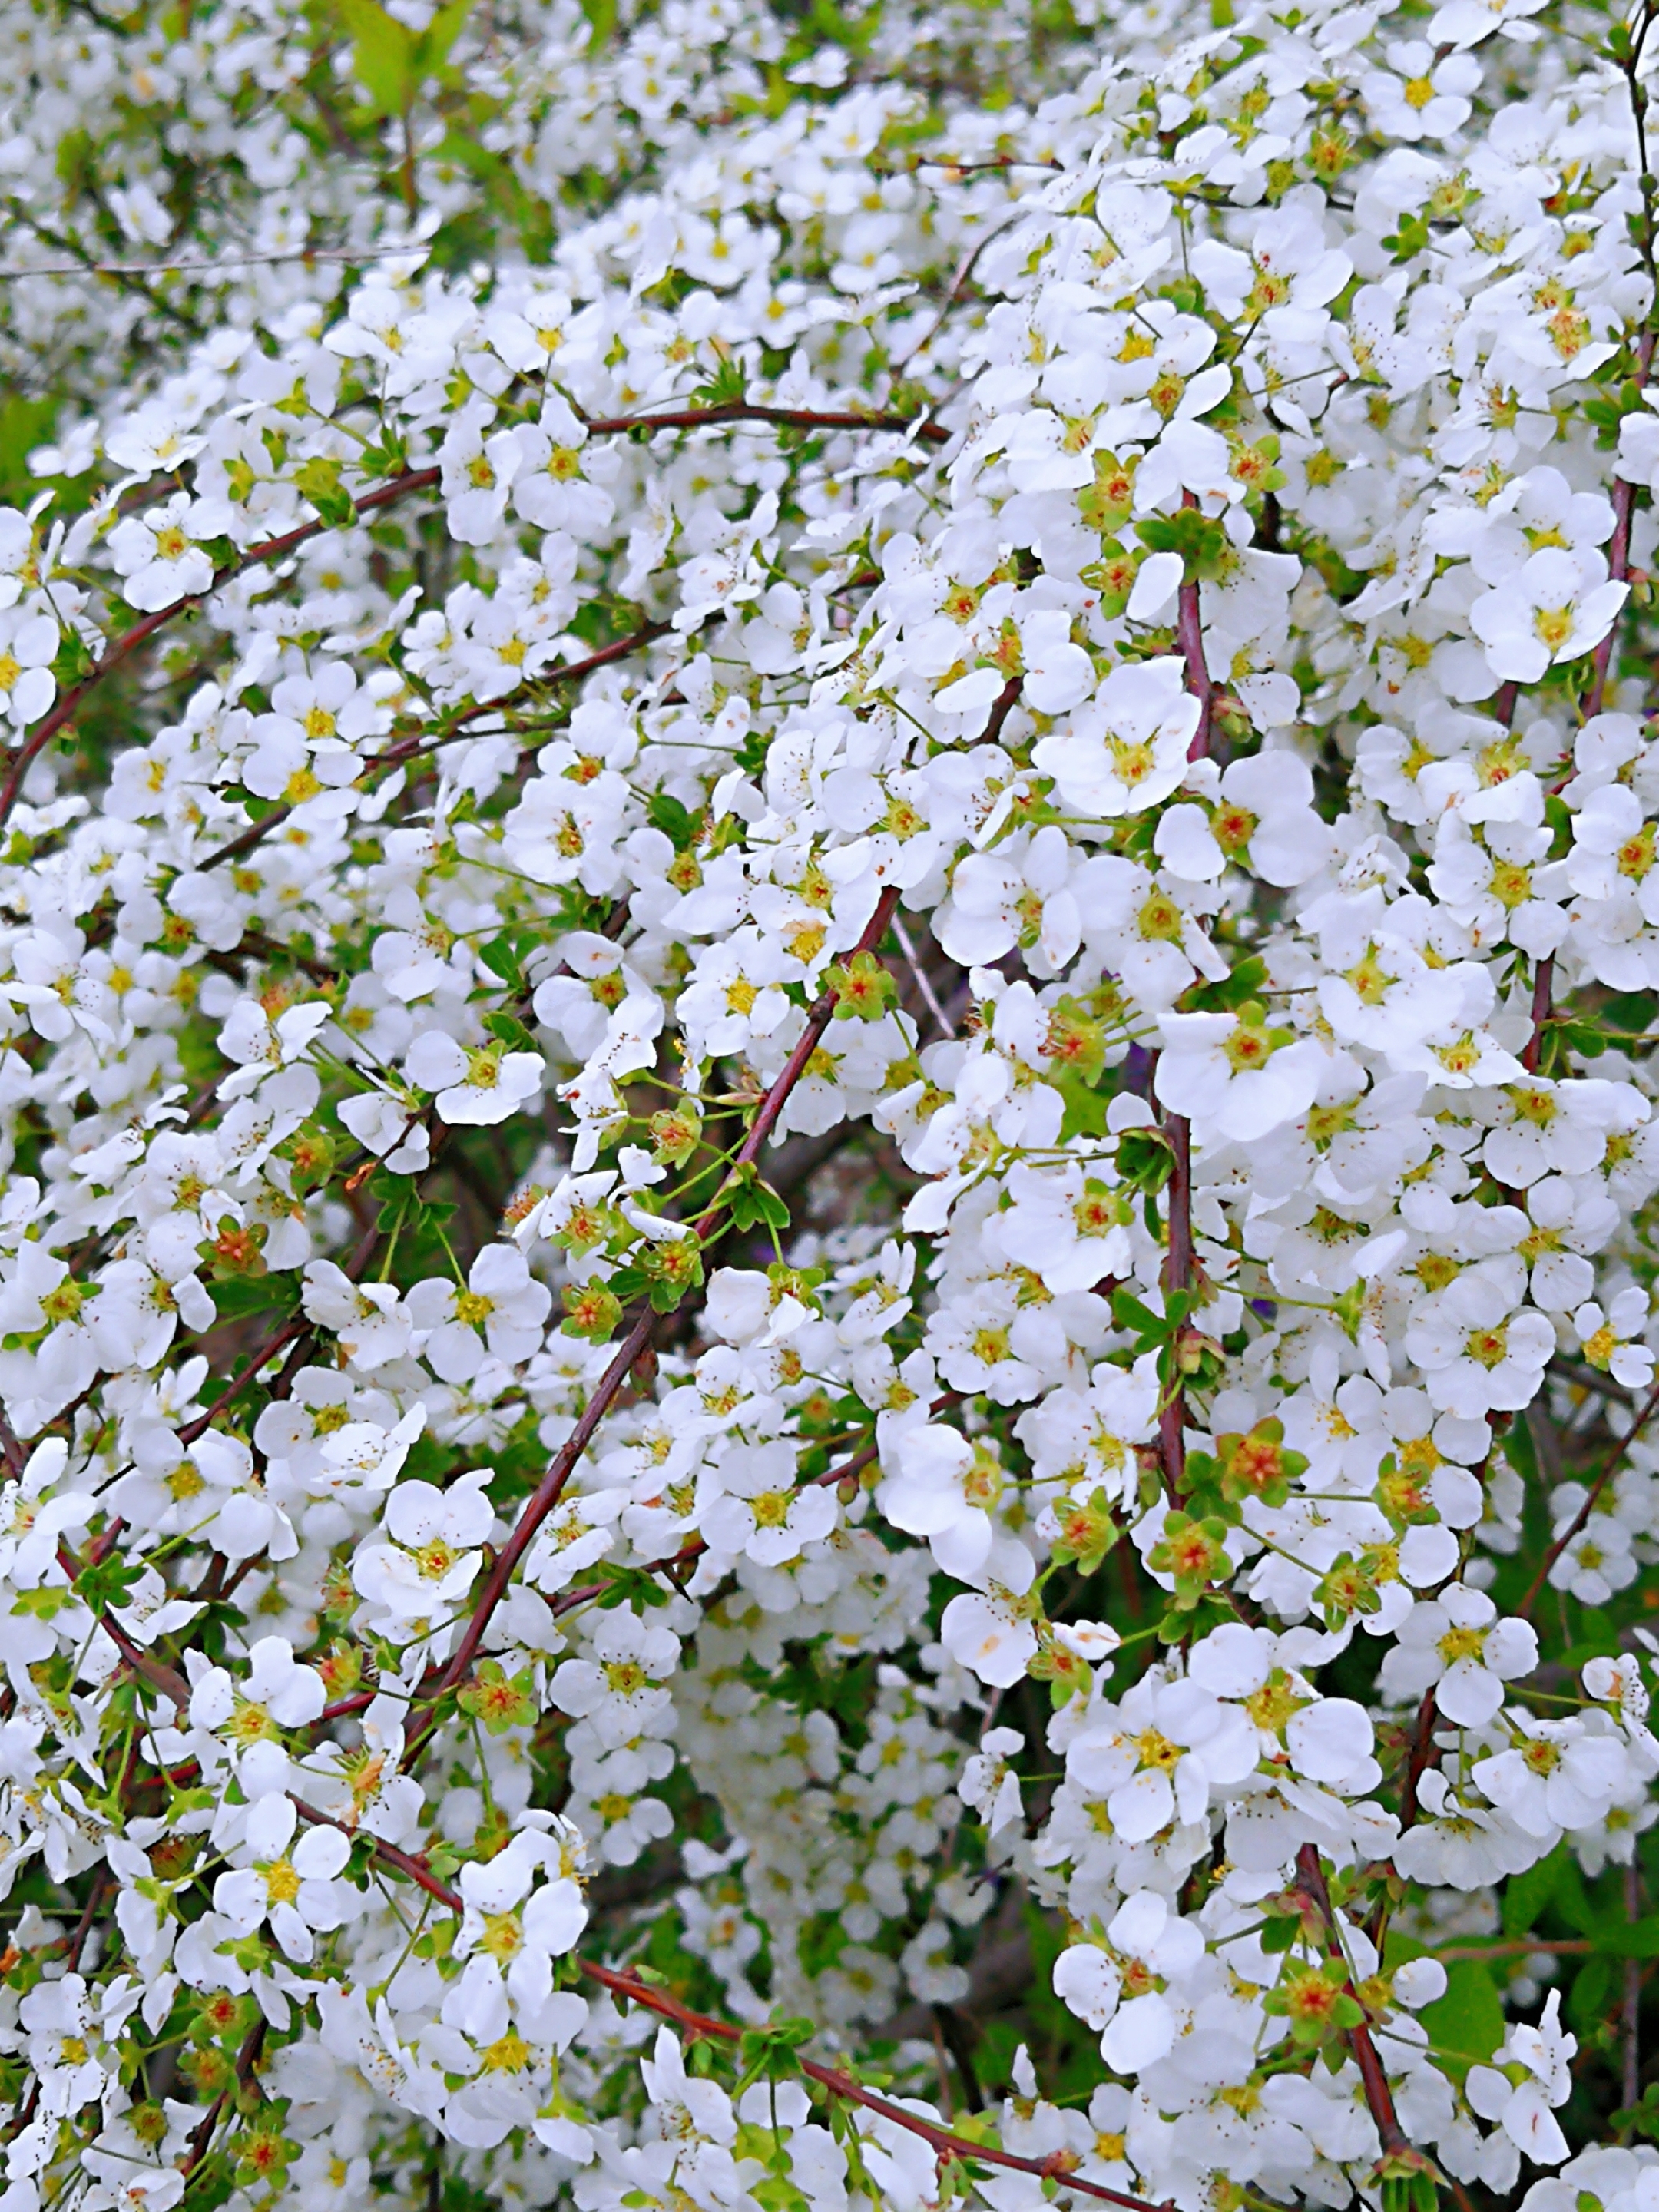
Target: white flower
(1070, 1229)
(558, 481)
(477, 473)
(1554, 607)
(390, 1126)
(1478, 1354)
(1554, 1776)
(296, 1891)
(1260, 816)
(1233, 1075)
(429, 1565)
(475, 1087)
(500, 1299)
(155, 558)
(1154, 1758)
(1524, 2110)
(619, 1690)
(989, 1783)
(1152, 1945)
(1606, 1335)
(276, 1692)
(760, 1512)
(28, 646)
(1019, 894)
(1428, 98)
(370, 1319)
(943, 1488)
(990, 1632)
(1456, 1646)
(1127, 749)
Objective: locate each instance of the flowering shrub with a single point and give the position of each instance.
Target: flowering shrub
(829, 930)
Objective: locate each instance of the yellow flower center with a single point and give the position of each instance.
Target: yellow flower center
(1461, 1643)
(282, 1882)
(1154, 1749)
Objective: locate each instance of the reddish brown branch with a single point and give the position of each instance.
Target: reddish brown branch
(551, 1487)
(1624, 504)
(1379, 2098)
(626, 1985)
(1189, 637)
(412, 748)
(783, 418)
(1178, 1276)
(130, 640)
(1604, 1475)
(1055, 2168)
(264, 1354)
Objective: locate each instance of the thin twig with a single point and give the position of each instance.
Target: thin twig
(1604, 1475)
(1379, 2098)
(128, 643)
(929, 996)
(623, 1983)
(1631, 2021)
(783, 418)
(551, 1487)
(410, 748)
(307, 253)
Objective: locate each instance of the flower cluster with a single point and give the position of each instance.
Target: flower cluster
(828, 956)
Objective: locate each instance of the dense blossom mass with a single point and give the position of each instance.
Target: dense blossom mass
(829, 951)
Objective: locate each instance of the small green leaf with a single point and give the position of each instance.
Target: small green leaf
(1409, 238)
(511, 1032)
(1467, 2024)
(319, 481)
(1526, 1895)
(108, 1583)
(1520, 1449)
(1630, 1012)
(432, 49)
(382, 55)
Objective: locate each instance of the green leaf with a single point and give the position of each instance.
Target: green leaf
(108, 1583)
(1520, 1449)
(432, 47)
(1632, 1939)
(1631, 1011)
(319, 479)
(1199, 538)
(504, 955)
(755, 1203)
(676, 823)
(382, 55)
(602, 22)
(1527, 1894)
(1144, 1159)
(1223, 998)
(1086, 1107)
(1128, 1313)
(24, 424)
(236, 1297)
(727, 386)
(1591, 1997)
(630, 1586)
(511, 1032)
(1467, 2024)
(1581, 1037)
(1409, 239)
(1573, 1901)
